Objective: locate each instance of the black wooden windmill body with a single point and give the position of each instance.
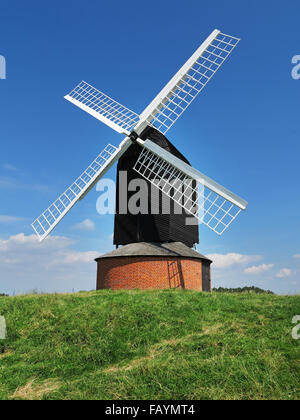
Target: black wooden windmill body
(157, 224)
(146, 153)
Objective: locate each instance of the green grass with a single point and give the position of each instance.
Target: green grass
(150, 345)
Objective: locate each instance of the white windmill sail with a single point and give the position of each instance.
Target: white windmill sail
(47, 221)
(171, 102)
(212, 204)
(218, 206)
(188, 82)
(104, 108)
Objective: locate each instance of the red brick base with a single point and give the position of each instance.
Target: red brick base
(149, 273)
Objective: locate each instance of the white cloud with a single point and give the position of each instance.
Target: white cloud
(51, 265)
(71, 257)
(284, 272)
(234, 270)
(85, 225)
(231, 259)
(257, 269)
(31, 242)
(10, 219)
(296, 256)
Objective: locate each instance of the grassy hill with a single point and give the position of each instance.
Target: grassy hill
(149, 345)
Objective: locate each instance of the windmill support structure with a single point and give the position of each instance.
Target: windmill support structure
(154, 251)
(145, 265)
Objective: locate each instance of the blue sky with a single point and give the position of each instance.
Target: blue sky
(243, 130)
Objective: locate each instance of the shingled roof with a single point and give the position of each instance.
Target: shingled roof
(146, 249)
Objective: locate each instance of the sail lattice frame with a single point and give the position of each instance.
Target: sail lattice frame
(46, 222)
(102, 107)
(189, 81)
(196, 198)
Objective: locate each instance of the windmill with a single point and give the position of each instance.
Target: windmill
(146, 152)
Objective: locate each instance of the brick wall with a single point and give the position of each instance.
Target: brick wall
(149, 273)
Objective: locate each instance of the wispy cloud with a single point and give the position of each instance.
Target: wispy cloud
(284, 272)
(296, 256)
(85, 225)
(12, 183)
(10, 219)
(232, 259)
(9, 167)
(7, 182)
(257, 269)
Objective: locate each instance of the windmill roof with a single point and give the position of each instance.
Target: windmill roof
(147, 249)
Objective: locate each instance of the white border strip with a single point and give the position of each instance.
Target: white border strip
(100, 117)
(195, 174)
(159, 100)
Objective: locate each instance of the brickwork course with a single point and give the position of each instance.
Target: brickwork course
(153, 266)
